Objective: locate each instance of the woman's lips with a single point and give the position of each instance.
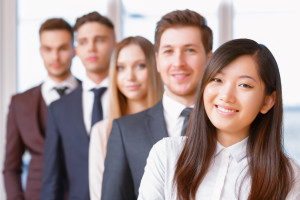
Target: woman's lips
(92, 58)
(226, 109)
(132, 87)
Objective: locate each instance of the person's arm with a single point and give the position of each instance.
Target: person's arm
(117, 180)
(13, 157)
(153, 181)
(97, 151)
(54, 172)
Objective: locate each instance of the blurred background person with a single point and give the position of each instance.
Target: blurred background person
(71, 118)
(26, 122)
(134, 86)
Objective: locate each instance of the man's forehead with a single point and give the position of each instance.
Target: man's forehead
(90, 36)
(183, 35)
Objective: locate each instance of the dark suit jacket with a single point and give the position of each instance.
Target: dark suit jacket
(66, 149)
(129, 144)
(26, 124)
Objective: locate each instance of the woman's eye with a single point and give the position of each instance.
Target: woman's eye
(245, 85)
(141, 66)
(216, 80)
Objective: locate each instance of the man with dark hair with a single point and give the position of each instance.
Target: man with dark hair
(71, 118)
(26, 122)
(183, 45)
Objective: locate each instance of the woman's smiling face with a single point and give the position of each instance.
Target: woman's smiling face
(234, 97)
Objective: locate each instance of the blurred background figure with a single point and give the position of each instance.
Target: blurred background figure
(134, 85)
(26, 122)
(71, 118)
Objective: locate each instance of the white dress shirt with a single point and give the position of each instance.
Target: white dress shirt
(222, 181)
(97, 153)
(88, 101)
(172, 111)
(48, 88)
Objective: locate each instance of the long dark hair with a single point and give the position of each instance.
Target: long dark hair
(269, 169)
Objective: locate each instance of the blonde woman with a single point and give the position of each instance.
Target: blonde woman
(135, 85)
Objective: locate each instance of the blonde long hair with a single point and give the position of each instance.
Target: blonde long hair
(155, 91)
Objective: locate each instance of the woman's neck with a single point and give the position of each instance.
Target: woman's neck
(228, 138)
(136, 106)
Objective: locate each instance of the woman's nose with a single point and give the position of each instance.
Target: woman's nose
(227, 93)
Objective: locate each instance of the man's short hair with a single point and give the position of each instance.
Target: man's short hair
(180, 18)
(93, 17)
(56, 24)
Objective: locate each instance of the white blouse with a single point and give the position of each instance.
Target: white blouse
(222, 181)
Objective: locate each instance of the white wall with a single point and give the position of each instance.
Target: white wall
(7, 70)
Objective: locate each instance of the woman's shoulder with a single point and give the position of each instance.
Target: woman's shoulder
(295, 190)
(170, 144)
(295, 167)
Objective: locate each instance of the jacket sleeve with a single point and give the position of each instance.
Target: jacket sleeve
(13, 156)
(54, 168)
(117, 180)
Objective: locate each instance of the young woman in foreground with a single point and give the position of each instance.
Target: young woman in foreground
(134, 86)
(233, 148)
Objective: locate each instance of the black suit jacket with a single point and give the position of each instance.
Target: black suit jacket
(66, 150)
(129, 144)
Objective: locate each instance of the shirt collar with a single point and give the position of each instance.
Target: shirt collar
(50, 84)
(238, 150)
(172, 108)
(88, 84)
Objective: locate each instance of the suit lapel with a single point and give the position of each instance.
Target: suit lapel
(76, 112)
(42, 114)
(155, 123)
(31, 121)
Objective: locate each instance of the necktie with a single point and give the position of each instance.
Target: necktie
(97, 113)
(61, 90)
(186, 114)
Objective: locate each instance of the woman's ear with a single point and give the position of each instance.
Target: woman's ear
(269, 103)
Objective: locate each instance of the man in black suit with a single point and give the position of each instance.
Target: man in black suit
(26, 121)
(70, 119)
(183, 45)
